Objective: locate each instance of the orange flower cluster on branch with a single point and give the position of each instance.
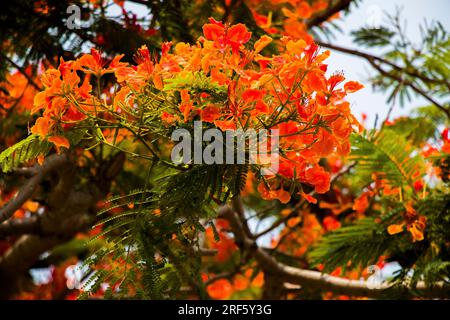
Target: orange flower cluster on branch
(223, 82)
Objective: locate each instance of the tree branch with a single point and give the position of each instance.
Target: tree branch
(324, 15)
(20, 69)
(373, 62)
(316, 279)
(412, 86)
(52, 163)
(369, 56)
(205, 252)
(280, 221)
(70, 209)
(16, 227)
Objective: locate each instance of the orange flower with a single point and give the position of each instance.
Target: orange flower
(168, 118)
(296, 47)
(19, 213)
(446, 140)
(331, 223)
(336, 208)
(315, 81)
(225, 246)
(40, 159)
(59, 141)
(336, 272)
(260, 108)
(418, 185)
(304, 10)
(31, 206)
(234, 36)
(94, 63)
(220, 289)
(240, 282)
(258, 281)
(293, 222)
(254, 97)
(283, 196)
(320, 5)
(352, 86)
(325, 144)
(318, 178)
(210, 113)
(17, 92)
(186, 105)
(341, 128)
(214, 30)
(262, 43)
(362, 202)
(334, 80)
(395, 228)
(308, 197)
(279, 194)
(238, 34)
(251, 95)
(417, 228)
(41, 127)
(225, 124)
(411, 213)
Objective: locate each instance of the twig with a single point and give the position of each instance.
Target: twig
(373, 62)
(20, 69)
(280, 221)
(52, 163)
(413, 86)
(369, 56)
(324, 15)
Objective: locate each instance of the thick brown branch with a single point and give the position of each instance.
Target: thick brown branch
(26, 172)
(70, 209)
(15, 227)
(315, 279)
(24, 194)
(52, 163)
(325, 282)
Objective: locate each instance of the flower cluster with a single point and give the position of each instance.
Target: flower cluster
(293, 20)
(225, 83)
(415, 224)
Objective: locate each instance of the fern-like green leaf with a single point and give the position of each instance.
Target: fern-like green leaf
(352, 243)
(23, 151)
(390, 156)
